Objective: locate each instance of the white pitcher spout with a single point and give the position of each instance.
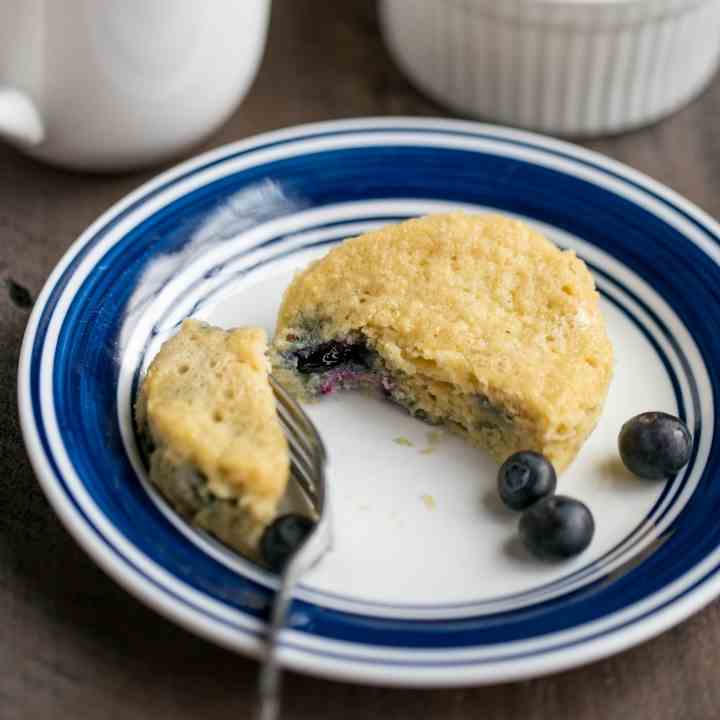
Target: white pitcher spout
(20, 121)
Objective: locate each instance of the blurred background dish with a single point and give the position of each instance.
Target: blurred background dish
(115, 86)
(576, 67)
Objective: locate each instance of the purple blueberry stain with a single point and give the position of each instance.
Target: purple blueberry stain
(348, 377)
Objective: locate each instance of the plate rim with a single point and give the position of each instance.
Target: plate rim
(616, 640)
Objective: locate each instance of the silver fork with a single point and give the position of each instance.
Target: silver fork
(307, 464)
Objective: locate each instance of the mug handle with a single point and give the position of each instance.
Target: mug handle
(20, 122)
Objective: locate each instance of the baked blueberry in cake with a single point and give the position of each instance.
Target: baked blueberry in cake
(207, 418)
(474, 321)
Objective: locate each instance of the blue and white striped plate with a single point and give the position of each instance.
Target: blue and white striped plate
(426, 585)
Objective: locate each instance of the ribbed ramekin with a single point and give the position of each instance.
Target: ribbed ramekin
(580, 67)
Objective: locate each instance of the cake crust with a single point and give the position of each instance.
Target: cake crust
(473, 320)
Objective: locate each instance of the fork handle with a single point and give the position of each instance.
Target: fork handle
(309, 554)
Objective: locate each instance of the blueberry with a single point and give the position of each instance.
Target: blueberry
(524, 478)
(654, 445)
(557, 527)
(320, 358)
(282, 537)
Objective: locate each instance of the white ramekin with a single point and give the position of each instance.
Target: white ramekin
(580, 67)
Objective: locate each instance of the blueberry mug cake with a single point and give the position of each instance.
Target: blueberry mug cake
(470, 320)
(207, 418)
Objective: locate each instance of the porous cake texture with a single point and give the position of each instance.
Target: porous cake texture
(475, 321)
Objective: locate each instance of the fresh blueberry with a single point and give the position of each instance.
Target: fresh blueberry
(320, 358)
(282, 537)
(524, 478)
(654, 445)
(557, 527)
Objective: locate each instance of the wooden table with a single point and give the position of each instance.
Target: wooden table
(74, 645)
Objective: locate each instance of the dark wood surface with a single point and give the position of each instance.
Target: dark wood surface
(74, 645)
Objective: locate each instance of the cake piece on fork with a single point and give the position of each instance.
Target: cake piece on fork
(207, 417)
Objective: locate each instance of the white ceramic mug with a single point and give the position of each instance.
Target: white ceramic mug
(114, 85)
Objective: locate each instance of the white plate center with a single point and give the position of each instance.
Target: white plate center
(416, 517)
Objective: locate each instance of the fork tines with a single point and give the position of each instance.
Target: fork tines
(307, 452)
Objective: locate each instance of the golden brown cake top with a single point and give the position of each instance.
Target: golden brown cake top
(478, 301)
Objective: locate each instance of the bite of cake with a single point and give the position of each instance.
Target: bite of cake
(207, 418)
